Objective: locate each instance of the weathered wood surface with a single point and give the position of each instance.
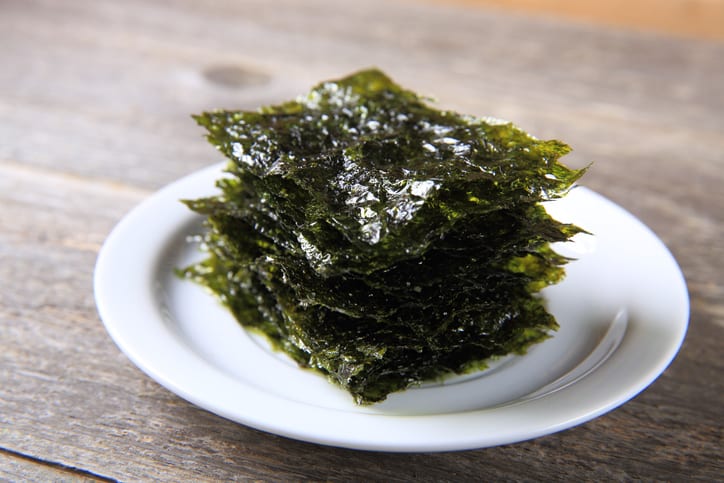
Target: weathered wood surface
(94, 105)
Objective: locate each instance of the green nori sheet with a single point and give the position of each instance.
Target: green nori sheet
(379, 240)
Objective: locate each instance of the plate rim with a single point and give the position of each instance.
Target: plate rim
(268, 412)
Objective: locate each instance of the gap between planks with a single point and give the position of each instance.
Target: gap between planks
(54, 465)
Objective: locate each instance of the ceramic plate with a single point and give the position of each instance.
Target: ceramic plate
(623, 311)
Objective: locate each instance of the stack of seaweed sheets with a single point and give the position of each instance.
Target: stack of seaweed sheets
(378, 240)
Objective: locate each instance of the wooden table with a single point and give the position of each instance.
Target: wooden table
(95, 98)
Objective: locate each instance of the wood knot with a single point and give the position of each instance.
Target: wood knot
(235, 76)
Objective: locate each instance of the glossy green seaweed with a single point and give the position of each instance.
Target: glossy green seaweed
(379, 240)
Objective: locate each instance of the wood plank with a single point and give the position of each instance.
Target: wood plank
(95, 403)
(689, 18)
(94, 118)
(551, 99)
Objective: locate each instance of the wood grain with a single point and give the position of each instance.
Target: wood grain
(95, 98)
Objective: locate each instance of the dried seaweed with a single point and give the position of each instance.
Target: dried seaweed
(381, 241)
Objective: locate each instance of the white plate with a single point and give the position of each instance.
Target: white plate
(623, 310)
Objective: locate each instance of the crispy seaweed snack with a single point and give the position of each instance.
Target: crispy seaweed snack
(381, 241)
